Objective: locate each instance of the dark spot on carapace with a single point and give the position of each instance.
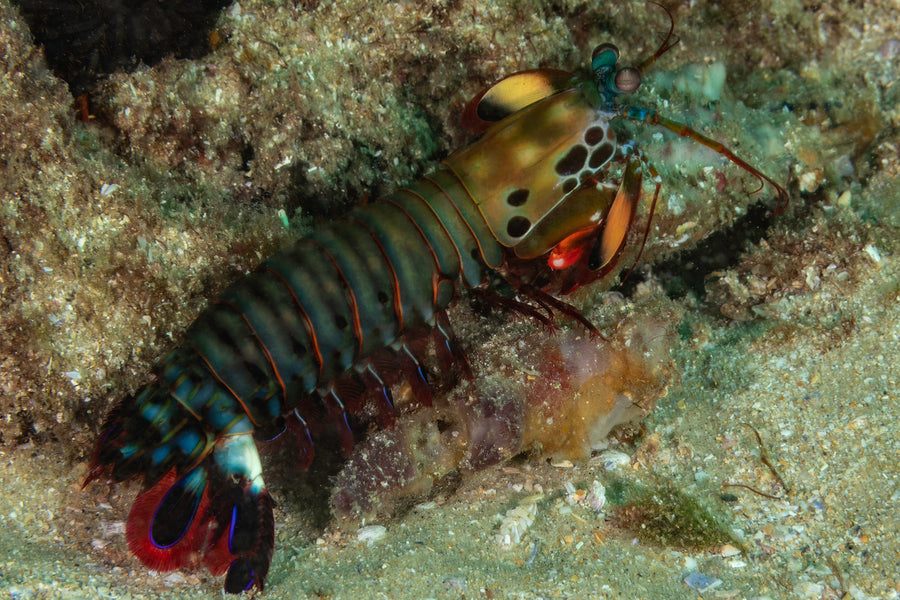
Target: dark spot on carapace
(340, 322)
(518, 197)
(492, 111)
(383, 297)
(573, 161)
(518, 226)
(569, 185)
(594, 136)
(600, 155)
(256, 373)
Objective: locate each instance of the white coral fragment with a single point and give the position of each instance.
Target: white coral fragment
(517, 521)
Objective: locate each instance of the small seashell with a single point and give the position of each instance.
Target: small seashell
(108, 189)
(810, 181)
(613, 460)
(596, 498)
(516, 522)
(370, 534)
(873, 253)
(728, 550)
(174, 578)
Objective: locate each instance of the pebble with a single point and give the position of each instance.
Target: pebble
(701, 582)
(809, 590)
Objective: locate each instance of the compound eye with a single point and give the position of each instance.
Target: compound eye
(627, 80)
(604, 57)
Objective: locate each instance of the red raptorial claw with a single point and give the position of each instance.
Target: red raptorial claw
(570, 250)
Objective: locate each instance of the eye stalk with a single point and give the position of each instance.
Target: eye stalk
(612, 82)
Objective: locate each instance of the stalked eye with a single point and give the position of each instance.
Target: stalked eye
(573, 161)
(517, 198)
(604, 56)
(628, 80)
(518, 226)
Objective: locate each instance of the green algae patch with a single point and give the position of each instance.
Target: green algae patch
(661, 513)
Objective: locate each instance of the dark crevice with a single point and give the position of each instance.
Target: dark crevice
(687, 272)
(86, 40)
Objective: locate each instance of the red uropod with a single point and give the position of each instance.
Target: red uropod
(531, 209)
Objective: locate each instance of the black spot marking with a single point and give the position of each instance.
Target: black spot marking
(240, 576)
(573, 161)
(518, 226)
(176, 512)
(600, 155)
(255, 372)
(517, 198)
(383, 297)
(299, 348)
(492, 111)
(569, 185)
(594, 136)
(340, 322)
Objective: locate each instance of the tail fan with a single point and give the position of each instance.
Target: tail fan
(218, 513)
(246, 538)
(242, 509)
(163, 528)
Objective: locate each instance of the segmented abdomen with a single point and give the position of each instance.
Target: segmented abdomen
(308, 315)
